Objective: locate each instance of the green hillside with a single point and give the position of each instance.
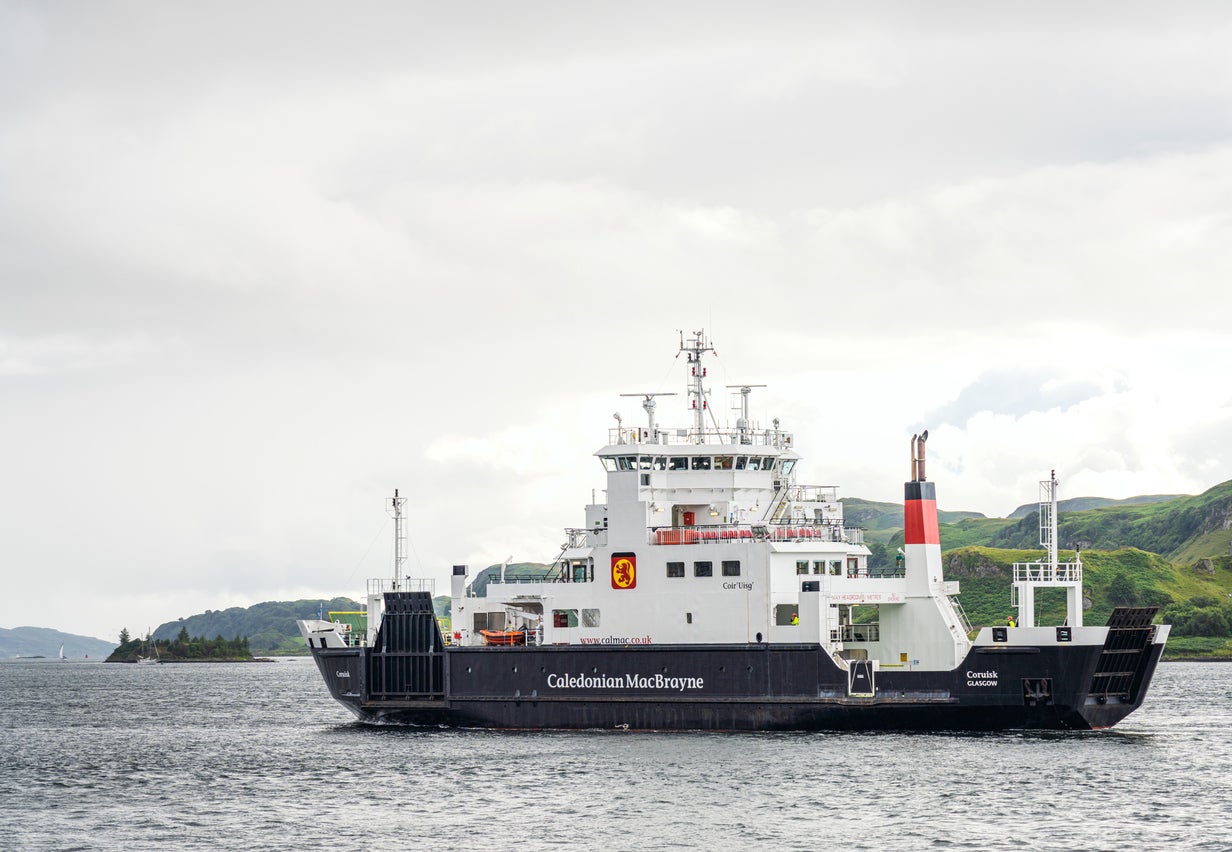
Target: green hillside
(1081, 504)
(269, 627)
(1184, 529)
(1196, 600)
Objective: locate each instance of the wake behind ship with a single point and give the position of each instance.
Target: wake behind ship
(712, 591)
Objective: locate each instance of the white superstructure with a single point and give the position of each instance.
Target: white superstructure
(706, 537)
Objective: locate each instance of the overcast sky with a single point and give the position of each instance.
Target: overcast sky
(262, 263)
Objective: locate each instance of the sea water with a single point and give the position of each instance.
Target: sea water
(230, 756)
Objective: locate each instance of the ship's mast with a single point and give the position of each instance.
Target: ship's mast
(395, 510)
(1051, 573)
(695, 348)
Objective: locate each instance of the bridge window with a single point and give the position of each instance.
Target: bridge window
(722, 462)
(703, 569)
(590, 618)
(754, 462)
(678, 463)
(701, 462)
(836, 567)
(675, 569)
(660, 463)
(788, 464)
(626, 463)
(609, 464)
(742, 462)
(731, 568)
(801, 566)
(819, 567)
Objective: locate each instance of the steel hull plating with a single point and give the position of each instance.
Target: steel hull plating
(736, 687)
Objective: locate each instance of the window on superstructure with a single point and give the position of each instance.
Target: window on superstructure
(742, 462)
(590, 618)
(626, 463)
(754, 462)
(788, 464)
(660, 463)
(722, 462)
(801, 566)
(819, 566)
(564, 618)
(701, 462)
(703, 569)
(675, 569)
(609, 464)
(678, 463)
(836, 567)
(731, 567)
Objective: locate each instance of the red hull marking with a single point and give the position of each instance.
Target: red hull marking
(920, 522)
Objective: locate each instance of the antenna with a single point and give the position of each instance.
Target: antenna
(742, 424)
(649, 404)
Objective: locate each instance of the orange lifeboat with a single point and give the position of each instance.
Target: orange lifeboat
(503, 637)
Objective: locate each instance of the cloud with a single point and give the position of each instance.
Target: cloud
(1015, 393)
(259, 268)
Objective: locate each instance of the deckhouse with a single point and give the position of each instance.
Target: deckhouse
(706, 537)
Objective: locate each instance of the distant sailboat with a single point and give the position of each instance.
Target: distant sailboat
(62, 657)
(149, 643)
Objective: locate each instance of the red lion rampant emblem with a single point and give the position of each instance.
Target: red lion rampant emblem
(624, 571)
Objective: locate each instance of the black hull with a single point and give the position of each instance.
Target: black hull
(411, 677)
(742, 688)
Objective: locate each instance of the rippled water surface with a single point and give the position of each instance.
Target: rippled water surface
(215, 756)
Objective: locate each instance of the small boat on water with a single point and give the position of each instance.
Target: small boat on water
(711, 590)
(62, 657)
(147, 659)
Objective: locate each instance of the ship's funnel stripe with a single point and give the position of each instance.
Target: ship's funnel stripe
(920, 522)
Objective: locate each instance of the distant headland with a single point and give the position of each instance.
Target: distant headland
(183, 649)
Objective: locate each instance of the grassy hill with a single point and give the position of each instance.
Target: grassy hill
(269, 627)
(1195, 600)
(1081, 504)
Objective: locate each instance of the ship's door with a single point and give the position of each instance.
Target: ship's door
(860, 679)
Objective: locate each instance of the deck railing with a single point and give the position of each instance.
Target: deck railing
(1042, 572)
(725, 437)
(380, 585)
(799, 531)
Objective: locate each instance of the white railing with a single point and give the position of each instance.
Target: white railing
(1042, 572)
(380, 586)
(802, 531)
(727, 437)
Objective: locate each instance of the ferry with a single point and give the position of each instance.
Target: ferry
(712, 591)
